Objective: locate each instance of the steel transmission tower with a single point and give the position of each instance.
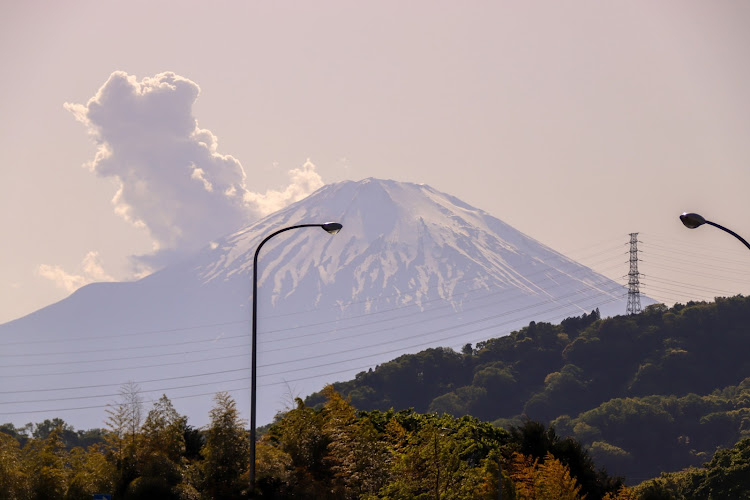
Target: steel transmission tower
(634, 293)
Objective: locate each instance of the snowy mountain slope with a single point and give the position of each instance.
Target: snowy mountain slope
(412, 268)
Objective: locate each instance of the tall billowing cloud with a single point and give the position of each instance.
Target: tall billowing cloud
(173, 181)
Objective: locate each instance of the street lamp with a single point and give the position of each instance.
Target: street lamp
(330, 228)
(692, 221)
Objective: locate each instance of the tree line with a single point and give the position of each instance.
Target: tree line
(332, 452)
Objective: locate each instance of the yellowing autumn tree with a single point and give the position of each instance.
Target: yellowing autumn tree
(543, 480)
(624, 493)
(46, 463)
(14, 479)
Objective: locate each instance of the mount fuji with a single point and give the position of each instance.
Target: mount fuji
(412, 268)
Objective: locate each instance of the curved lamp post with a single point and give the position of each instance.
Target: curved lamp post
(694, 220)
(330, 228)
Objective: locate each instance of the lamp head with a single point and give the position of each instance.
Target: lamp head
(692, 220)
(332, 227)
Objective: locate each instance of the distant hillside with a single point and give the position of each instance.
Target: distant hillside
(646, 393)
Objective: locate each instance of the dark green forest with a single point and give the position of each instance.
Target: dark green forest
(648, 393)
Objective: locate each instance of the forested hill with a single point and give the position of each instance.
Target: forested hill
(646, 393)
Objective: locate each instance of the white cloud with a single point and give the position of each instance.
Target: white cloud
(304, 181)
(90, 272)
(173, 181)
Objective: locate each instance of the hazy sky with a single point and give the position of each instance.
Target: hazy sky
(576, 122)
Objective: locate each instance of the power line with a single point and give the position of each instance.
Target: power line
(691, 263)
(304, 368)
(343, 333)
(696, 273)
(673, 250)
(275, 340)
(693, 245)
(329, 354)
(687, 285)
(121, 335)
(332, 363)
(69, 340)
(137, 367)
(233, 380)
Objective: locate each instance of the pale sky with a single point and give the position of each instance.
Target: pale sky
(576, 122)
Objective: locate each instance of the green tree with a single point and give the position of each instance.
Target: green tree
(90, 472)
(226, 452)
(43, 429)
(463, 401)
(356, 453)
(160, 461)
(426, 465)
(299, 433)
(727, 475)
(164, 431)
(47, 460)
(15, 483)
(274, 471)
(123, 437)
(536, 441)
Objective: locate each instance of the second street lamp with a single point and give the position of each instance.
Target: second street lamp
(693, 221)
(330, 228)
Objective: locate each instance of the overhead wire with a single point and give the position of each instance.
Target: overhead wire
(120, 348)
(304, 367)
(267, 340)
(121, 335)
(658, 279)
(228, 323)
(673, 251)
(217, 382)
(262, 366)
(696, 273)
(683, 245)
(322, 355)
(110, 369)
(269, 317)
(231, 380)
(107, 337)
(327, 354)
(703, 265)
(344, 333)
